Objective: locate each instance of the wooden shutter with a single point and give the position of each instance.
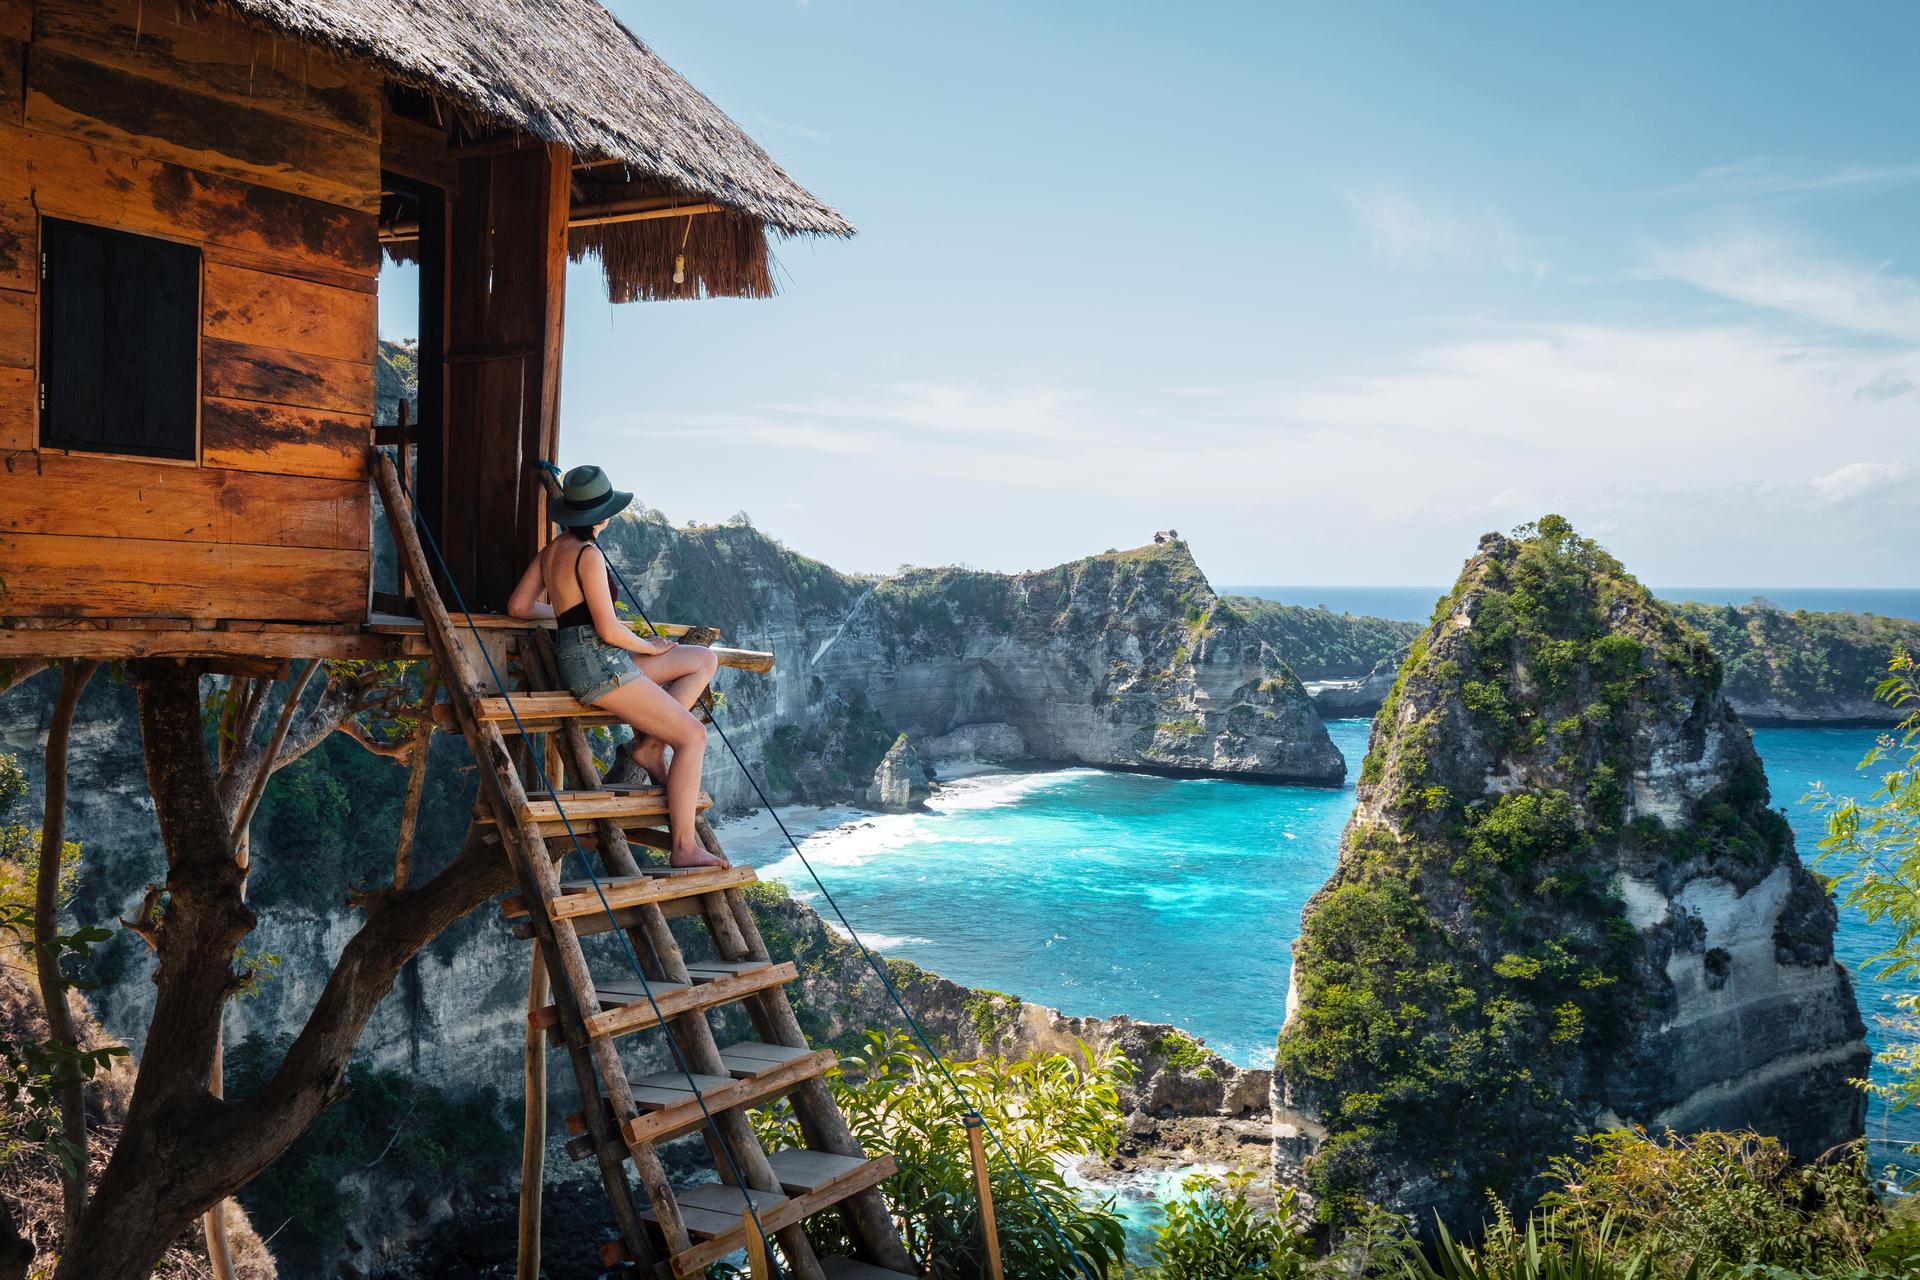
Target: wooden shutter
(119, 342)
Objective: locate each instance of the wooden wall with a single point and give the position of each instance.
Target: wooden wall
(165, 120)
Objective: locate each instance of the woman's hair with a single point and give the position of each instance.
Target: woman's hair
(584, 532)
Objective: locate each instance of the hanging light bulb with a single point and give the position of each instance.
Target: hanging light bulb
(679, 268)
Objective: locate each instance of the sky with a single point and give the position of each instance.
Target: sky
(1331, 289)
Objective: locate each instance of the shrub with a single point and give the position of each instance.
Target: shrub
(1712, 1198)
(1044, 1110)
(1212, 1232)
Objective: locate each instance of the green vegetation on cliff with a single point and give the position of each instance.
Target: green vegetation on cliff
(1320, 644)
(1463, 974)
(1780, 663)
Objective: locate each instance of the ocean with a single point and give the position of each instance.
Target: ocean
(1415, 604)
(1170, 900)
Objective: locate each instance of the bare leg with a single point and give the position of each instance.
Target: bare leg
(684, 671)
(653, 712)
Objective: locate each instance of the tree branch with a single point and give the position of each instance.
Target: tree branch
(71, 1098)
(269, 759)
(401, 751)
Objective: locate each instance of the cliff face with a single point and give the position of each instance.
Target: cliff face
(1125, 660)
(1321, 645)
(1561, 905)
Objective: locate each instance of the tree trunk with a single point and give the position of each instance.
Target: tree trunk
(181, 1149)
(71, 1098)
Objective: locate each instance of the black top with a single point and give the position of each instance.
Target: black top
(580, 615)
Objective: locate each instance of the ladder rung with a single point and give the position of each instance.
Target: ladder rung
(715, 1209)
(783, 1213)
(538, 711)
(801, 1170)
(578, 897)
(682, 1114)
(671, 1110)
(752, 1058)
(581, 809)
(625, 1007)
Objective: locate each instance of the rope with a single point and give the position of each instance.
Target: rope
(626, 944)
(919, 1032)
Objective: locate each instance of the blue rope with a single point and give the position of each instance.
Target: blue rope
(626, 944)
(879, 969)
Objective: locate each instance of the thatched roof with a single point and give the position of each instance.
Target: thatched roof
(569, 72)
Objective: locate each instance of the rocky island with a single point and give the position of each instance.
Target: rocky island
(1561, 905)
(1126, 660)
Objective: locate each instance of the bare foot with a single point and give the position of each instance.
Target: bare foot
(696, 857)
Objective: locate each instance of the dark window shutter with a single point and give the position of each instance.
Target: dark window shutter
(119, 342)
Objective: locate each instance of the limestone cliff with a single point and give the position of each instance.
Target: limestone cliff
(1561, 904)
(1124, 660)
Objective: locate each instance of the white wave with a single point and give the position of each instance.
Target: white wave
(880, 941)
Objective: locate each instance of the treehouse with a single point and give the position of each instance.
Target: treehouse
(196, 202)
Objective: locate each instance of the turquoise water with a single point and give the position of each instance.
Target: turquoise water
(1171, 900)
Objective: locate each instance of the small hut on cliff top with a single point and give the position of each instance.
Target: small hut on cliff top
(194, 203)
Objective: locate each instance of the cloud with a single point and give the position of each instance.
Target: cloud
(1424, 233)
(1761, 176)
(1762, 270)
(1855, 479)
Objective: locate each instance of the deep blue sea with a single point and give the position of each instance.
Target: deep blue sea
(1168, 900)
(1415, 604)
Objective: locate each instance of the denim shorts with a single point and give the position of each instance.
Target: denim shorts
(591, 667)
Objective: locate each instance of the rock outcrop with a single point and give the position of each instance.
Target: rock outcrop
(900, 783)
(1125, 660)
(1562, 904)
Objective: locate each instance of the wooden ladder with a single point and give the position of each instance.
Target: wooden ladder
(625, 1116)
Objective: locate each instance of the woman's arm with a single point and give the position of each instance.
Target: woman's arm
(606, 620)
(525, 601)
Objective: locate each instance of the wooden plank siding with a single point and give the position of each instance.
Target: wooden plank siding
(285, 440)
(19, 245)
(242, 305)
(70, 95)
(177, 122)
(17, 389)
(70, 178)
(17, 336)
(67, 577)
(13, 79)
(126, 498)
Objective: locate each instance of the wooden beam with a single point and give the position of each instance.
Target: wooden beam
(586, 215)
(603, 215)
(114, 646)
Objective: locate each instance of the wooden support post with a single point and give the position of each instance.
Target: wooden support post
(533, 1142)
(759, 1266)
(416, 788)
(984, 1186)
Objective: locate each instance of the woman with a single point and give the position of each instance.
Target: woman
(650, 684)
